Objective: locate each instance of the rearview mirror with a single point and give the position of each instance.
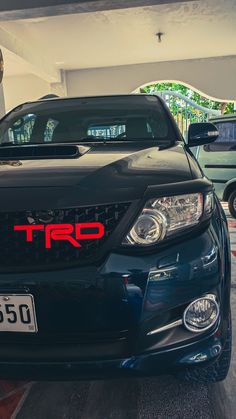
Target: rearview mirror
(202, 133)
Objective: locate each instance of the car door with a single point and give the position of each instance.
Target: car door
(218, 159)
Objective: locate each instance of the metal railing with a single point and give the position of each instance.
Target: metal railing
(185, 110)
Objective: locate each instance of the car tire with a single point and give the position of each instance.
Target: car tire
(216, 371)
(232, 204)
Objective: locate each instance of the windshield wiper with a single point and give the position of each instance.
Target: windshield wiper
(62, 141)
(7, 144)
(10, 143)
(92, 138)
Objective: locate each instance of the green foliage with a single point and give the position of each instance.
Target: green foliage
(225, 108)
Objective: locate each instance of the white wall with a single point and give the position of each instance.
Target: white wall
(19, 89)
(215, 77)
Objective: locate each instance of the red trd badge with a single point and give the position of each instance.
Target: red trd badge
(64, 232)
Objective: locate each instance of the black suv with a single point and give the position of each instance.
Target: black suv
(114, 249)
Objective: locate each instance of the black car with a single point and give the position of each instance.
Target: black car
(114, 249)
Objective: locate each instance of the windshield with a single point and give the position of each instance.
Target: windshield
(109, 119)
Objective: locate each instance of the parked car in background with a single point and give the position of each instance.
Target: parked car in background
(114, 248)
(218, 160)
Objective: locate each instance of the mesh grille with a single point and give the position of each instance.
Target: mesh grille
(16, 253)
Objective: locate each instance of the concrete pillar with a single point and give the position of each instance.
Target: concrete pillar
(2, 102)
(59, 89)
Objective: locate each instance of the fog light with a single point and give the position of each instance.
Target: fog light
(201, 314)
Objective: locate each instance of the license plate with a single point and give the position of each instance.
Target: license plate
(17, 313)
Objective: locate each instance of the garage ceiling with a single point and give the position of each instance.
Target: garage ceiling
(13, 9)
(195, 29)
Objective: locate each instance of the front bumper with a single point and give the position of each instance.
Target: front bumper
(167, 361)
(94, 322)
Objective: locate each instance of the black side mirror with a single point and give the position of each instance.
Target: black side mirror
(202, 133)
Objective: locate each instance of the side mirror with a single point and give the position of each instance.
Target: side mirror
(202, 133)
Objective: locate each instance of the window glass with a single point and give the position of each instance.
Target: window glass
(107, 131)
(49, 130)
(227, 138)
(120, 118)
(21, 130)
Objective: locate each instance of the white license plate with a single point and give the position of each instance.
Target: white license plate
(17, 313)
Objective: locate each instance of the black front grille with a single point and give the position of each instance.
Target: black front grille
(18, 254)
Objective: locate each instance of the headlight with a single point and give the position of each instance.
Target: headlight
(163, 217)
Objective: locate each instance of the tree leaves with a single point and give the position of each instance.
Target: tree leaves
(224, 107)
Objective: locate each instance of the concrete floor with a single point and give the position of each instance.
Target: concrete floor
(159, 398)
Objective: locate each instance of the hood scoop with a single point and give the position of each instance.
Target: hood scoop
(44, 151)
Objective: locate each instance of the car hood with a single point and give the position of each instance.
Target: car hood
(100, 173)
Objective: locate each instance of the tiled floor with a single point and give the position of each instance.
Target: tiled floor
(159, 398)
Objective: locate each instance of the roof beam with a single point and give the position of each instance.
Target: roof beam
(28, 9)
(38, 64)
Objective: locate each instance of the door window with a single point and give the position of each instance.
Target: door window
(227, 138)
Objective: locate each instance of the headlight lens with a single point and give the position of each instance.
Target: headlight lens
(165, 216)
(149, 228)
(201, 314)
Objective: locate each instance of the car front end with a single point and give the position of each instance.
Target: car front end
(114, 261)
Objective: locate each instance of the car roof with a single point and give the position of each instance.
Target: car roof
(56, 98)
